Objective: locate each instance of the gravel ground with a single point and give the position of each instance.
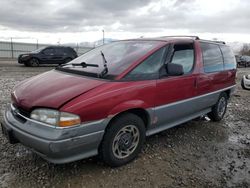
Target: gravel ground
(199, 153)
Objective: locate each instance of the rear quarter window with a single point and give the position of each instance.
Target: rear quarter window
(212, 57)
(229, 58)
(59, 50)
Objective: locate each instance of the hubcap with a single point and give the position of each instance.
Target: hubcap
(126, 141)
(34, 62)
(221, 106)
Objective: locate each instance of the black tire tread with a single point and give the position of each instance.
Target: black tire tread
(30, 65)
(213, 115)
(119, 122)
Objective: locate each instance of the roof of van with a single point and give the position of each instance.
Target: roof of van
(180, 38)
(57, 46)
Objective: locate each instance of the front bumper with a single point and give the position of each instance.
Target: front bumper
(23, 60)
(57, 145)
(246, 82)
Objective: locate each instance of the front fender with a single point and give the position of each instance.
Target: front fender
(127, 105)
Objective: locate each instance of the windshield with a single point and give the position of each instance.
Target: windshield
(118, 55)
(38, 50)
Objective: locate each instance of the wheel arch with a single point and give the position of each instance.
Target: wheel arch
(228, 93)
(140, 112)
(35, 57)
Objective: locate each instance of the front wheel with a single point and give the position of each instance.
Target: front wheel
(26, 64)
(123, 140)
(219, 109)
(34, 62)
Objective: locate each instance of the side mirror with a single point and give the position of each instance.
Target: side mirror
(174, 69)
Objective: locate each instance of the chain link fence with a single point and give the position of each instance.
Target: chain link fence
(13, 49)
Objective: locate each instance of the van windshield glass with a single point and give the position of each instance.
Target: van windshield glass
(118, 56)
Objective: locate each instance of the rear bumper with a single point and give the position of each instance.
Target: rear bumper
(56, 145)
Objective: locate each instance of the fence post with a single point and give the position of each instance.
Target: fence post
(77, 47)
(36, 43)
(11, 46)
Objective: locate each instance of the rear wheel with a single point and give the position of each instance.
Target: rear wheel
(34, 62)
(123, 140)
(219, 109)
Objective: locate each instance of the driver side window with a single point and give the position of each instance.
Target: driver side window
(184, 55)
(149, 68)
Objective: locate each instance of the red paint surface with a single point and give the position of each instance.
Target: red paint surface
(51, 89)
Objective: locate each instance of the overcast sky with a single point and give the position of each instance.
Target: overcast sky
(52, 21)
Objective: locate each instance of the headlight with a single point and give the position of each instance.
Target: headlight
(25, 55)
(56, 118)
(247, 77)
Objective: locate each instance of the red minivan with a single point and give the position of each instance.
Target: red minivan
(108, 100)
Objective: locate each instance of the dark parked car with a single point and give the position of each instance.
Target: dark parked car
(243, 61)
(48, 55)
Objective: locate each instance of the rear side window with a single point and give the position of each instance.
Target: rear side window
(229, 59)
(212, 57)
(59, 51)
(184, 55)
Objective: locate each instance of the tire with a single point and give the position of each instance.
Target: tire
(26, 64)
(67, 60)
(34, 62)
(123, 140)
(219, 109)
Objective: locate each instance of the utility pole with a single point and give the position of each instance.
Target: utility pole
(103, 36)
(36, 43)
(77, 47)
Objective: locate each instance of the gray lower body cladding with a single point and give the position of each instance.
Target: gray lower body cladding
(176, 113)
(57, 145)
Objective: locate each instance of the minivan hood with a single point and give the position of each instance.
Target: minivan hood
(51, 89)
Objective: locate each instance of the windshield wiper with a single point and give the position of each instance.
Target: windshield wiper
(82, 64)
(105, 70)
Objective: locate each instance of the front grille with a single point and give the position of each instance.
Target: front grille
(18, 113)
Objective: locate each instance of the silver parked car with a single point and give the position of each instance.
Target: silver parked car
(245, 82)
